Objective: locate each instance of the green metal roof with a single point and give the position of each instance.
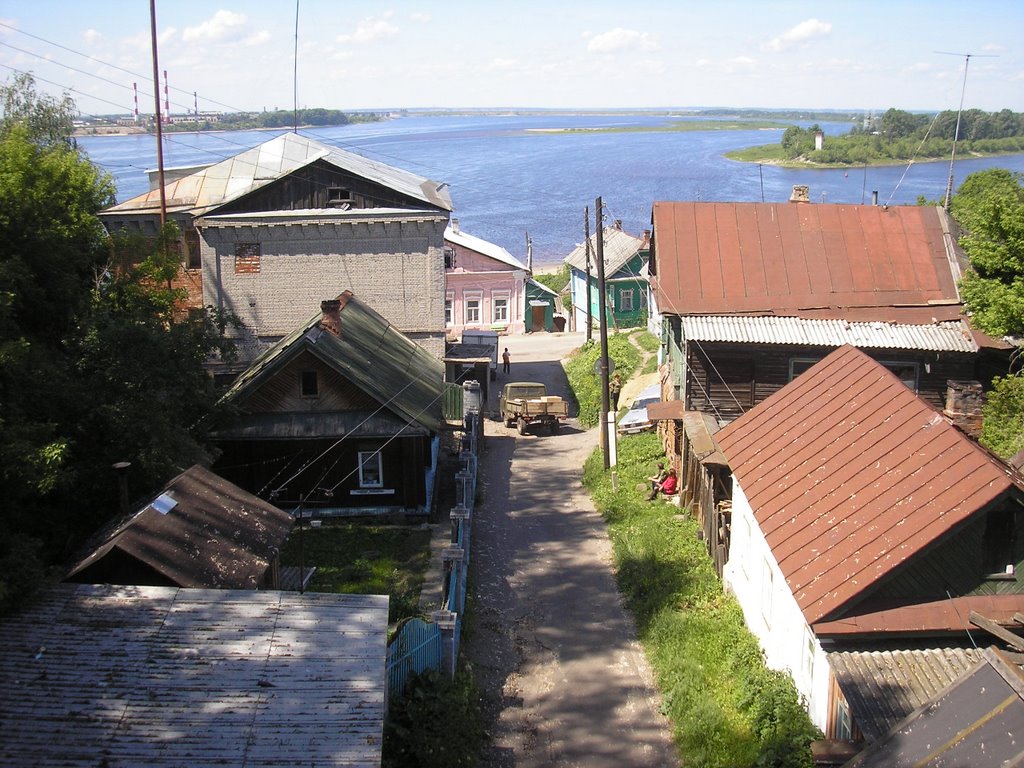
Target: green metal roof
(370, 353)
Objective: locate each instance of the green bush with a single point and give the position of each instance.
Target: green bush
(438, 723)
(587, 385)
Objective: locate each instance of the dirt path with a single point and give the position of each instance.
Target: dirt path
(566, 682)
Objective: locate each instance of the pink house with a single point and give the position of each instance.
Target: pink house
(485, 285)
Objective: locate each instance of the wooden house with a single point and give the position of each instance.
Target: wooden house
(266, 231)
(749, 295)
(199, 531)
(542, 310)
(625, 257)
(100, 675)
(485, 285)
(862, 517)
(341, 417)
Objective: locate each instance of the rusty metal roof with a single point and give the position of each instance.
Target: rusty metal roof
(951, 336)
(883, 687)
(801, 259)
(216, 185)
(160, 676)
(850, 475)
(976, 720)
(216, 535)
(922, 618)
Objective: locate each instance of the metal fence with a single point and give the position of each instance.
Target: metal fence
(422, 645)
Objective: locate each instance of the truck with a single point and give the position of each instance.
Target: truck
(525, 404)
(487, 339)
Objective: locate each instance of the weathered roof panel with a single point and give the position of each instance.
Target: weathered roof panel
(619, 248)
(789, 259)
(850, 475)
(951, 336)
(97, 675)
(216, 535)
(482, 247)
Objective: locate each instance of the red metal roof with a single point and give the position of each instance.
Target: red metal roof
(802, 259)
(850, 474)
(937, 617)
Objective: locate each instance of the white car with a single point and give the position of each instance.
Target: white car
(635, 419)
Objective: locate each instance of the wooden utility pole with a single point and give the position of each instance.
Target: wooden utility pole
(586, 240)
(603, 323)
(159, 119)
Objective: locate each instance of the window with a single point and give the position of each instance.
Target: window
(843, 724)
(448, 311)
(473, 302)
(339, 197)
(194, 258)
(626, 300)
(998, 543)
(308, 384)
(449, 257)
(371, 474)
(808, 653)
(499, 306)
(247, 258)
(906, 372)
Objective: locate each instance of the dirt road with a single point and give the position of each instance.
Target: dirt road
(566, 682)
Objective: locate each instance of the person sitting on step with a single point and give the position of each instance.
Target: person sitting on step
(667, 487)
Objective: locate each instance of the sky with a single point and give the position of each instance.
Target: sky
(235, 55)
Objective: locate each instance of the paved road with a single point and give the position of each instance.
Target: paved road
(566, 682)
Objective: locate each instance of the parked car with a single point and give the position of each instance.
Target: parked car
(635, 420)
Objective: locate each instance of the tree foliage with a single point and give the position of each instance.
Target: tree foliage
(98, 363)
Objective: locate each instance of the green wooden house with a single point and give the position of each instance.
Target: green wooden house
(625, 273)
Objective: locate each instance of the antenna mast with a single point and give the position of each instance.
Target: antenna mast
(959, 112)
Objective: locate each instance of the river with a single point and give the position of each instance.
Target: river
(533, 174)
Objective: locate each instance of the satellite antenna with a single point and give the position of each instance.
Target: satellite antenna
(956, 132)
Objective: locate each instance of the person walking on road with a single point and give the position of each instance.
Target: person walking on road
(506, 361)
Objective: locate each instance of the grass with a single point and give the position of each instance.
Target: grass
(362, 559)
(726, 707)
(626, 355)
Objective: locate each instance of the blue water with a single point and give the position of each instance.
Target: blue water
(509, 176)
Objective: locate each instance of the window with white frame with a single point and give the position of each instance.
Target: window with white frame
(371, 470)
(808, 652)
(499, 308)
(473, 302)
(626, 300)
(449, 300)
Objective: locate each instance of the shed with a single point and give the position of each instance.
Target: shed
(541, 306)
(199, 531)
(163, 676)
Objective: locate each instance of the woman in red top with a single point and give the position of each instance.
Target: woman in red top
(667, 487)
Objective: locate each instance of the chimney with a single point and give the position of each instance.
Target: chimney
(963, 405)
(331, 321)
(874, 197)
(801, 194)
(455, 226)
(647, 239)
(121, 470)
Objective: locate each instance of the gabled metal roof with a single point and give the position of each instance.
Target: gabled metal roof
(619, 248)
(798, 258)
(950, 336)
(850, 475)
(216, 185)
(370, 353)
(482, 247)
(216, 535)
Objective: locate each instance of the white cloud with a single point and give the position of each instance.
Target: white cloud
(420, 18)
(223, 25)
(258, 38)
(801, 33)
(91, 36)
(620, 39)
(503, 64)
(371, 29)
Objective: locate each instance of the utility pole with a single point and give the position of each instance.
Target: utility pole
(159, 128)
(603, 322)
(586, 240)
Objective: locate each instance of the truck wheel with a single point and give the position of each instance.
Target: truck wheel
(554, 427)
(521, 425)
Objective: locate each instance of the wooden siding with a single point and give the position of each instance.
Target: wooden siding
(309, 190)
(282, 394)
(738, 377)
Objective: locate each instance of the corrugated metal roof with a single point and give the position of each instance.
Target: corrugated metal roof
(883, 687)
(218, 184)
(101, 675)
(619, 248)
(482, 247)
(789, 258)
(371, 354)
(217, 535)
(975, 721)
(951, 336)
(850, 475)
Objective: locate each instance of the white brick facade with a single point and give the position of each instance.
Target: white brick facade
(392, 260)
